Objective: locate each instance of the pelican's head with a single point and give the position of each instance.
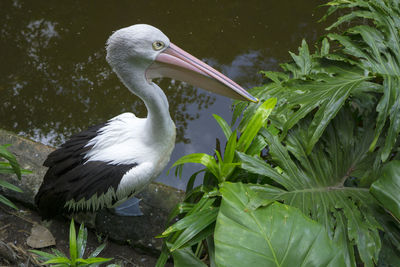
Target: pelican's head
(148, 49)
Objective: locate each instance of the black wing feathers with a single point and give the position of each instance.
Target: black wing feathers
(70, 177)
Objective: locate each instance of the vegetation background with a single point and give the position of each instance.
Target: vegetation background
(311, 174)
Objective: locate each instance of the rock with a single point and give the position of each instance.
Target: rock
(30, 156)
(157, 199)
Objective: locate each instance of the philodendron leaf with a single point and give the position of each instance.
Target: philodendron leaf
(376, 45)
(271, 235)
(317, 183)
(387, 188)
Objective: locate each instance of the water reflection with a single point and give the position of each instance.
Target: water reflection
(55, 81)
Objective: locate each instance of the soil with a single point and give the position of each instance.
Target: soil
(15, 228)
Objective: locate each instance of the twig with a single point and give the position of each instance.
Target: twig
(17, 215)
(4, 227)
(127, 260)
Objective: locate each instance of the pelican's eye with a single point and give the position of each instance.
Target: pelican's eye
(158, 45)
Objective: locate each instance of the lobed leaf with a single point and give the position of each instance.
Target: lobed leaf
(386, 189)
(316, 183)
(271, 235)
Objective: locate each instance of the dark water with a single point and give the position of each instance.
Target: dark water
(54, 80)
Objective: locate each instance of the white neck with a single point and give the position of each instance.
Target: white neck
(158, 122)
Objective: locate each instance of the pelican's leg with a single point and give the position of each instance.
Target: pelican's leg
(130, 207)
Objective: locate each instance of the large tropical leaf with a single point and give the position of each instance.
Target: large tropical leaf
(387, 188)
(331, 185)
(313, 82)
(256, 232)
(377, 47)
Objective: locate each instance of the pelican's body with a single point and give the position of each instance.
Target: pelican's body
(113, 161)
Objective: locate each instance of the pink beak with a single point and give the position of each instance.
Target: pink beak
(175, 63)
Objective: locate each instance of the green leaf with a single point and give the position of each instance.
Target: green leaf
(192, 225)
(58, 260)
(185, 257)
(44, 255)
(230, 148)
(81, 241)
(303, 60)
(204, 159)
(377, 48)
(211, 250)
(192, 179)
(97, 251)
(93, 260)
(58, 253)
(11, 159)
(316, 183)
(7, 202)
(257, 121)
(224, 126)
(256, 146)
(272, 235)
(73, 250)
(188, 221)
(179, 208)
(10, 186)
(386, 189)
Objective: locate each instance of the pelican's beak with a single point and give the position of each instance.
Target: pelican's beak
(175, 63)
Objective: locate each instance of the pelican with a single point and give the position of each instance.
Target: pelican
(111, 162)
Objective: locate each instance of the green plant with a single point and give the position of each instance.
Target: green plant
(77, 246)
(328, 156)
(10, 167)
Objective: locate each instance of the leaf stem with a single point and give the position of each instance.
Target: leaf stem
(344, 178)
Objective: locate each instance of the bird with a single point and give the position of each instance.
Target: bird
(111, 162)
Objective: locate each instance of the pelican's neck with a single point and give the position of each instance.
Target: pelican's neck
(158, 122)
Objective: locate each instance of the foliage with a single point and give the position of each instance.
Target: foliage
(319, 184)
(326, 157)
(10, 167)
(77, 246)
(387, 188)
(377, 48)
(265, 227)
